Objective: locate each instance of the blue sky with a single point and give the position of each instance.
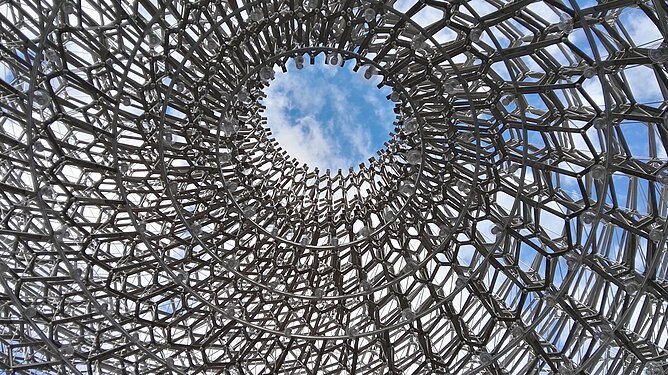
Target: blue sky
(329, 117)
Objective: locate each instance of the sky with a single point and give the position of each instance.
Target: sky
(328, 117)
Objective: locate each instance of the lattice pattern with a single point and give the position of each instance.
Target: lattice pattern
(513, 224)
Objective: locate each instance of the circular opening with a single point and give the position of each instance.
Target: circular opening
(326, 116)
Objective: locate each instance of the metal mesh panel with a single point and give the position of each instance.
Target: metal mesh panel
(514, 222)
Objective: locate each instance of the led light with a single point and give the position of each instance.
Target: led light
(210, 44)
(318, 293)
(565, 23)
(506, 100)
(153, 39)
(364, 232)
(485, 357)
(407, 188)
(408, 314)
(256, 15)
(334, 59)
(411, 126)
(632, 287)
(299, 62)
(310, 5)
(389, 214)
(196, 228)
(244, 96)
(30, 312)
(41, 99)
(249, 212)
(369, 15)
(600, 123)
(450, 86)
(598, 172)
(550, 300)
(659, 54)
(662, 175)
(656, 234)
(266, 74)
(589, 72)
(418, 43)
(588, 217)
(39, 146)
(475, 34)
(370, 72)
(517, 330)
(67, 350)
(414, 157)
(411, 266)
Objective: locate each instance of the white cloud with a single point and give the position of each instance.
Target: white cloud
(329, 117)
(307, 142)
(644, 84)
(641, 29)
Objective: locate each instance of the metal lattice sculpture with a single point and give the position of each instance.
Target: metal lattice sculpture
(513, 224)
